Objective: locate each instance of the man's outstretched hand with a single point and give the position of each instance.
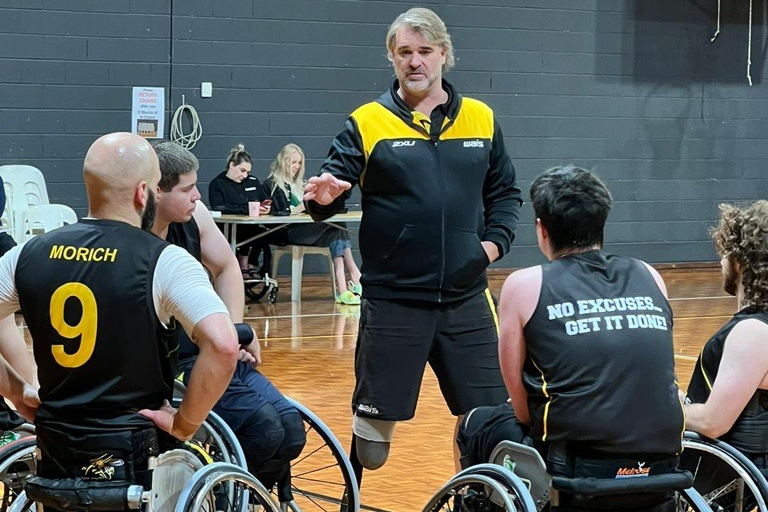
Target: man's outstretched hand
(324, 189)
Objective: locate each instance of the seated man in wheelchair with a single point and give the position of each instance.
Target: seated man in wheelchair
(728, 394)
(270, 430)
(586, 352)
(99, 297)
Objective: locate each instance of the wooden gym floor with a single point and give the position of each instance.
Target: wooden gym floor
(308, 352)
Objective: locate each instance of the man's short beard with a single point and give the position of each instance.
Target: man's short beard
(731, 279)
(150, 210)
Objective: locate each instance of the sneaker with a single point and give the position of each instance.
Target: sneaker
(357, 289)
(348, 298)
(8, 436)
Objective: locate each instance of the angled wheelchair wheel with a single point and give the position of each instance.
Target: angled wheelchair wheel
(255, 289)
(222, 487)
(724, 477)
(17, 462)
(217, 441)
(475, 492)
(321, 478)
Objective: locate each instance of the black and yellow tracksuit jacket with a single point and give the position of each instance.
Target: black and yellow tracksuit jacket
(432, 189)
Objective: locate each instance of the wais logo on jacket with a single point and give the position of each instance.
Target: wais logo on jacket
(474, 144)
(640, 470)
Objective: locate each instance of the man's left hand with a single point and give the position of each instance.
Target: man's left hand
(30, 401)
(491, 250)
(251, 353)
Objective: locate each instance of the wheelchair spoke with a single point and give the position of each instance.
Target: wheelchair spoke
(320, 478)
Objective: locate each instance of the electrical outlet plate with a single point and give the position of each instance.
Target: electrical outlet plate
(206, 89)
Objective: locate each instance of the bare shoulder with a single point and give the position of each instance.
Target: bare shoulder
(521, 290)
(657, 277)
(751, 329)
(203, 217)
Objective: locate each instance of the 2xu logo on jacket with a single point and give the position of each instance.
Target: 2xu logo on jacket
(409, 143)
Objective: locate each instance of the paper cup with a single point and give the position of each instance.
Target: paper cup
(253, 208)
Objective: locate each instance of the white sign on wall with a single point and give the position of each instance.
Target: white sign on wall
(147, 112)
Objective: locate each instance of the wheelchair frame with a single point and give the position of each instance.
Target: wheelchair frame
(530, 473)
(749, 477)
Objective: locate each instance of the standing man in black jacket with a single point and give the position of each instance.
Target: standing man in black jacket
(440, 203)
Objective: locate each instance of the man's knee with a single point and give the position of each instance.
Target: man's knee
(295, 437)
(372, 440)
(261, 435)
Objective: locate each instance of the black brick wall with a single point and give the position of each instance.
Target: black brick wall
(630, 88)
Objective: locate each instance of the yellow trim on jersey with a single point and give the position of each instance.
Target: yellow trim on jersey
(493, 309)
(475, 121)
(547, 396)
(703, 372)
(375, 123)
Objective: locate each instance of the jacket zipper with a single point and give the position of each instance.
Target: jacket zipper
(442, 224)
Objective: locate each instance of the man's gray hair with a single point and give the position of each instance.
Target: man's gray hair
(174, 161)
(428, 24)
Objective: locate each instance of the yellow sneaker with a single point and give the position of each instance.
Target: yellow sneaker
(348, 298)
(357, 289)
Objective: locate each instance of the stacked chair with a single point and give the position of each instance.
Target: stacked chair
(28, 211)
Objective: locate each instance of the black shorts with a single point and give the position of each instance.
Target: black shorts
(397, 338)
(484, 428)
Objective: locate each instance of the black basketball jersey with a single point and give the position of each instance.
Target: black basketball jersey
(187, 236)
(599, 365)
(85, 291)
(750, 431)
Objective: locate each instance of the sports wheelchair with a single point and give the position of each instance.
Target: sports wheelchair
(206, 475)
(213, 467)
(517, 480)
(261, 284)
(726, 479)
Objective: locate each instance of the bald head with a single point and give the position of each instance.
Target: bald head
(119, 168)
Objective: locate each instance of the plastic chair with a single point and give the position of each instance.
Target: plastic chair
(24, 187)
(297, 253)
(47, 217)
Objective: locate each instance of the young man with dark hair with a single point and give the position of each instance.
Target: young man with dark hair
(585, 344)
(270, 430)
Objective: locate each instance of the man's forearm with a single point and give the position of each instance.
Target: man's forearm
(229, 286)
(208, 380)
(699, 418)
(320, 212)
(14, 349)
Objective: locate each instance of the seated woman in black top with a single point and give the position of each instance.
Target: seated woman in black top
(230, 192)
(285, 186)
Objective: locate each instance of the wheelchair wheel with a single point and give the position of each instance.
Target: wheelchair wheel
(261, 259)
(724, 477)
(515, 486)
(17, 462)
(217, 440)
(475, 492)
(255, 289)
(223, 487)
(321, 478)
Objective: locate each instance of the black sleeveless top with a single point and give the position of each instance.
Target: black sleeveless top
(85, 291)
(749, 433)
(187, 236)
(599, 365)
